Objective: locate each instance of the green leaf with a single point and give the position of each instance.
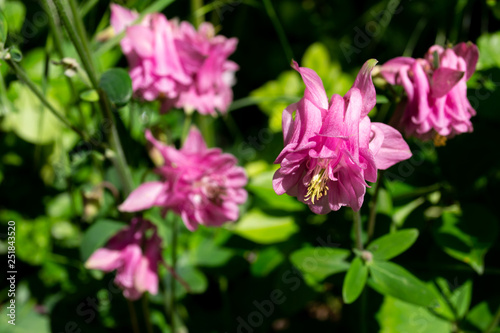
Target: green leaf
(31, 121)
(482, 315)
(288, 84)
(16, 12)
(393, 280)
(397, 316)
(461, 298)
(34, 244)
(354, 281)
(118, 86)
(90, 96)
(391, 245)
(3, 30)
(320, 262)
(196, 280)
(467, 237)
(264, 229)
(267, 260)
(97, 236)
(317, 58)
(262, 187)
(206, 253)
(489, 47)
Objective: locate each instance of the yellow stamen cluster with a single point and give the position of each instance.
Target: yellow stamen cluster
(439, 140)
(317, 186)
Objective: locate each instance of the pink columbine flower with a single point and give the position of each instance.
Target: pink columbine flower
(331, 147)
(437, 104)
(203, 186)
(134, 256)
(177, 64)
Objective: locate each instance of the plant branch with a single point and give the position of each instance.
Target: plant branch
(373, 206)
(79, 39)
(24, 78)
(358, 229)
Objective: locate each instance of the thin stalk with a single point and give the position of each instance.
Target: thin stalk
(279, 29)
(206, 127)
(373, 206)
(358, 230)
(118, 158)
(77, 36)
(133, 317)
(23, 77)
(494, 323)
(77, 41)
(196, 5)
(57, 38)
(173, 281)
(186, 126)
(147, 315)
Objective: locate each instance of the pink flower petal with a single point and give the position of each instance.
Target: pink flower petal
(315, 91)
(388, 146)
(443, 80)
(144, 197)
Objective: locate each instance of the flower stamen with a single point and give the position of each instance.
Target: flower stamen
(317, 186)
(439, 140)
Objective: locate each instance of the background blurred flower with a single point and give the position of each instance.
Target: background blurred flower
(183, 67)
(437, 104)
(332, 148)
(204, 186)
(137, 266)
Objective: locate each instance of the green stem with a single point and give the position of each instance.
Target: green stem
(133, 316)
(54, 23)
(172, 280)
(373, 206)
(186, 126)
(77, 36)
(494, 323)
(358, 230)
(196, 5)
(118, 159)
(147, 315)
(80, 44)
(23, 77)
(207, 129)
(279, 29)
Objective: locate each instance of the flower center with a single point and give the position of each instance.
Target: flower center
(439, 140)
(211, 189)
(317, 186)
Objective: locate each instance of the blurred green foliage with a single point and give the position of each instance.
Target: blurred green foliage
(434, 258)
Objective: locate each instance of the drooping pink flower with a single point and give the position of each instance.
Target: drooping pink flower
(133, 256)
(203, 186)
(331, 147)
(177, 64)
(436, 89)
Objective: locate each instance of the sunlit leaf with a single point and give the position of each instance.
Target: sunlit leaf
(264, 229)
(393, 280)
(3, 29)
(391, 245)
(354, 281)
(398, 316)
